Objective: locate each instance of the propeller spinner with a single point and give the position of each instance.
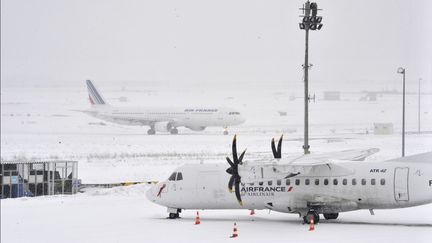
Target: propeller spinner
(235, 179)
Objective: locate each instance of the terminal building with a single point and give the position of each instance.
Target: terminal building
(38, 178)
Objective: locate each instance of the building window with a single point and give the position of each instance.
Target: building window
(344, 182)
(317, 182)
(288, 182)
(307, 182)
(354, 182)
(373, 182)
(297, 182)
(335, 182)
(326, 182)
(279, 182)
(382, 182)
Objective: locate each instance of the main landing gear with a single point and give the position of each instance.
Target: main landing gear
(174, 213)
(331, 215)
(174, 131)
(311, 215)
(151, 131)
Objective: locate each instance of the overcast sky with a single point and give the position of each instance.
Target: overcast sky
(185, 41)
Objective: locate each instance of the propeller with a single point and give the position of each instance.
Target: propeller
(277, 153)
(235, 179)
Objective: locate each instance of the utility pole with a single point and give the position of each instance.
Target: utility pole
(402, 71)
(419, 106)
(310, 21)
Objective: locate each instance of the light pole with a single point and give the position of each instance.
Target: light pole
(310, 21)
(402, 71)
(419, 106)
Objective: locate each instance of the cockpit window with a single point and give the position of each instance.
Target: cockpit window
(234, 113)
(179, 176)
(172, 176)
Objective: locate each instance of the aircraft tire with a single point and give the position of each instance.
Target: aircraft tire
(151, 132)
(174, 131)
(331, 215)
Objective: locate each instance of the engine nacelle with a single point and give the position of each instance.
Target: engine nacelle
(197, 128)
(163, 126)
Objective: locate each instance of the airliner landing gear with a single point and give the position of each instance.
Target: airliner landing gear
(151, 131)
(311, 215)
(174, 213)
(225, 132)
(331, 215)
(174, 131)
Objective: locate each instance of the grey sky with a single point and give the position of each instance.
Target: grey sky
(184, 41)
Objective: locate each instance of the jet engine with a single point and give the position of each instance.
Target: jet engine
(197, 128)
(163, 126)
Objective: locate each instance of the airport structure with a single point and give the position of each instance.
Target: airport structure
(38, 178)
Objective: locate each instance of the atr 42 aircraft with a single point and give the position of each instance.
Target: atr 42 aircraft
(309, 185)
(163, 119)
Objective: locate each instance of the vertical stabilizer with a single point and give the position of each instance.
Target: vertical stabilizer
(94, 96)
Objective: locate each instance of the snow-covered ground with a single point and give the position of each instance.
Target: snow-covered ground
(41, 123)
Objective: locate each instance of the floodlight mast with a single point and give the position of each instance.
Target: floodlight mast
(310, 21)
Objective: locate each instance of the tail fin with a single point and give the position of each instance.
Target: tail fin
(94, 96)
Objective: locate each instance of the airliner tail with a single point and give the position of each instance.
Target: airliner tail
(94, 97)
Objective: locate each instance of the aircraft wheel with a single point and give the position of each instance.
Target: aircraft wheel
(151, 132)
(174, 215)
(174, 131)
(331, 215)
(310, 215)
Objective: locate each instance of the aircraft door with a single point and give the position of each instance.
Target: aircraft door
(207, 191)
(401, 184)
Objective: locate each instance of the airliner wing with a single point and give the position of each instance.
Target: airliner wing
(348, 155)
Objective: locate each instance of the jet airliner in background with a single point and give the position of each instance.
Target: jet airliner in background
(166, 119)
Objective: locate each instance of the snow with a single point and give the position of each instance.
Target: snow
(41, 123)
(124, 215)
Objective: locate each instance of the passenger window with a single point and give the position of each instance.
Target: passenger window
(297, 182)
(279, 182)
(260, 183)
(307, 182)
(344, 182)
(288, 182)
(373, 182)
(270, 183)
(172, 176)
(317, 182)
(335, 182)
(363, 181)
(179, 176)
(354, 182)
(382, 182)
(326, 182)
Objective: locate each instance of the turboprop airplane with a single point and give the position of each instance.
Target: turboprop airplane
(166, 119)
(308, 185)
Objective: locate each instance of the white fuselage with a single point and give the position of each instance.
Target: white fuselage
(381, 185)
(162, 119)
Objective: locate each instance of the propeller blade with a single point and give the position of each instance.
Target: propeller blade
(230, 183)
(273, 146)
(234, 150)
(230, 162)
(279, 147)
(237, 192)
(242, 155)
(291, 175)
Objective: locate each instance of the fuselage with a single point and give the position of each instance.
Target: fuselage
(163, 118)
(363, 185)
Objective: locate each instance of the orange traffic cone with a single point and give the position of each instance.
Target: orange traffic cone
(311, 225)
(235, 233)
(252, 212)
(197, 219)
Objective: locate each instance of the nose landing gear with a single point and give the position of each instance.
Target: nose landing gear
(174, 213)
